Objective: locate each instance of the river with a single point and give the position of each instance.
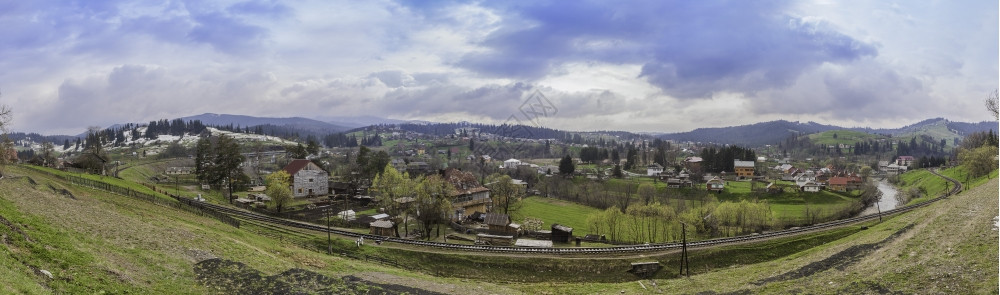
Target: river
(888, 200)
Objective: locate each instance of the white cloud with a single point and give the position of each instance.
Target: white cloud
(135, 62)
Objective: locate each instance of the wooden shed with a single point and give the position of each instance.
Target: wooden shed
(382, 228)
(561, 233)
(499, 224)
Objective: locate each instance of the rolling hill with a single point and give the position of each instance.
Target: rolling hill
(753, 135)
(774, 131)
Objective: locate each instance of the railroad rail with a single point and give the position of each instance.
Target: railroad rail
(625, 249)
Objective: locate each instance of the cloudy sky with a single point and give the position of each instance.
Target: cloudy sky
(663, 66)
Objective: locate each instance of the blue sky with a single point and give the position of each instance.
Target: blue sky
(662, 66)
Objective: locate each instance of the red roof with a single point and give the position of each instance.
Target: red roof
(838, 180)
(296, 165)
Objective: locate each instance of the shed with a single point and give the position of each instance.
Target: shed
(380, 216)
(561, 233)
(381, 228)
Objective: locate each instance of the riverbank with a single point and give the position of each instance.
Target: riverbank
(888, 201)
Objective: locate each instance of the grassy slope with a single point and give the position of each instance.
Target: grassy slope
(935, 186)
(100, 242)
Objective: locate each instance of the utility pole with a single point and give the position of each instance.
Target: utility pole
(685, 264)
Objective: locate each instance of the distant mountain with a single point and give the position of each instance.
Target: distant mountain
(774, 131)
(751, 135)
(304, 125)
(363, 121)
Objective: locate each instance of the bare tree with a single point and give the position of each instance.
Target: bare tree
(6, 146)
(993, 103)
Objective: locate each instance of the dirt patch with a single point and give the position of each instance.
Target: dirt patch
(198, 255)
(13, 227)
(840, 261)
(233, 277)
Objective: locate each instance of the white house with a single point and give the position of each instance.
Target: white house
(308, 179)
(653, 169)
(511, 163)
(811, 187)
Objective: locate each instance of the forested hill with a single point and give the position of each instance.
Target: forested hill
(750, 135)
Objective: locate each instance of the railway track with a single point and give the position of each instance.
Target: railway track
(627, 249)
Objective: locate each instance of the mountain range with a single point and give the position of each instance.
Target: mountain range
(775, 131)
(748, 135)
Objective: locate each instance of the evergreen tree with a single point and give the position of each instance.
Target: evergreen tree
(566, 166)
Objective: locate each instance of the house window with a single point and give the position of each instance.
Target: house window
(310, 191)
(300, 190)
(310, 180)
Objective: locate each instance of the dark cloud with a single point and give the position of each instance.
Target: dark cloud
(687, 48)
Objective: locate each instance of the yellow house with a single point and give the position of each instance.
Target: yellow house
(744, 169)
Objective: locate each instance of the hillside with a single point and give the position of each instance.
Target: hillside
(753, 135)
(774, 131)
(93, 242)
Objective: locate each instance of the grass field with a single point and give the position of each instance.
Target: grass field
(552, 211)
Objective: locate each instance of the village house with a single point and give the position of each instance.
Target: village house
(469, 196)
(838, 184)
(693, 163)
(904, 161)
(811, 186)
(678, 182)
(654, 169)
(399, 164)
(882, 165)
(307, 179)
(894, 169)
(744, 169)
(511, 163)
(548, 169)
(804, 178)
(715, 184)
(417, 168)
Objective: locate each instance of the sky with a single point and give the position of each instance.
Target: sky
(644, 66)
